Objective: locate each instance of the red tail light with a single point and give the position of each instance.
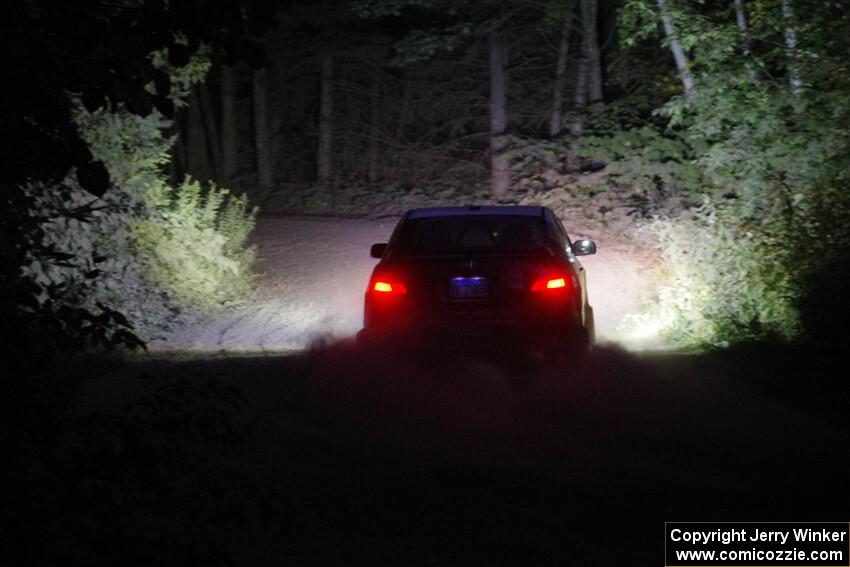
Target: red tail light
(550, 283)
(381, 286)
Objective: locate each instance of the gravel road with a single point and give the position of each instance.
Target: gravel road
(314, 270)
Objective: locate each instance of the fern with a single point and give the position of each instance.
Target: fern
(156, 253)
(195, 247)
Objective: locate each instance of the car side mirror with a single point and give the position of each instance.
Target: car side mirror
(584, 247)
(377, 250)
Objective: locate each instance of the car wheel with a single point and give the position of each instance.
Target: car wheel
(571, 351)
(590, 325)
(579, 345)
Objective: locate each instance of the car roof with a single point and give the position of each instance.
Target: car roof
(475, 210)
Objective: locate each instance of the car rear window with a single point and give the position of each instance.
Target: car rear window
(453, 234)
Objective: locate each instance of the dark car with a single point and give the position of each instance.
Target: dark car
(505, 275)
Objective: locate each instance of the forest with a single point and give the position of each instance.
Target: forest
(652, 118)
(712, 132)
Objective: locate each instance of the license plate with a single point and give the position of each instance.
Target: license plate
(469, 288)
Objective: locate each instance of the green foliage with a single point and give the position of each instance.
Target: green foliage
(132, 147)
(153, 253)
(100, 269)
(771, 160)
(422, 45)
(184, 77)
(734, 271)
(43, 315)
(554, 13)
(194, 244)
(384, 8)
(655, 168)
(642, 172)
(637, 20)
(61, 58)
(711, 42)
(725, 279)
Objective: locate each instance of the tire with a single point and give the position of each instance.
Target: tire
(578, 347)
(573, 350)
(590, 325)
(361, 337)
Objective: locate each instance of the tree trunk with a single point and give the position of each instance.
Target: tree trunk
(197, 163)
(405, 103)
(180, 158)
(678, 53)
(580, 94)
(210, 130)
(590, 45)
(374, 115)
(560, 76)
(324, 161)
(791, 53)
(229, 136)
(265, 168)
(741, 21)
(500, 169)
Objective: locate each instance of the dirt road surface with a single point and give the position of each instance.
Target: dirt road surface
(314, 272)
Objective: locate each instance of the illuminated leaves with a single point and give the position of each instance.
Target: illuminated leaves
(194, 245)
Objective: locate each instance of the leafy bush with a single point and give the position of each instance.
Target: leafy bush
(778, 274)
(40, 315)
(615, 177)
(98, 267)
(656, 169)
(725, 279)
(154, 253)
(751, 263)
(193, 244)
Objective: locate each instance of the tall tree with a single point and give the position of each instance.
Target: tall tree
(791, 53)
(326, 102)
(560, 74)
(500, 167)
(197, 153)
(679, 54)
(210, 130)
(741, 22)
(499, 21)
(374, 117)
(590, 45)
(589, 74)
(262, 140)
(229, 136)
(746, 40)
(580, 94)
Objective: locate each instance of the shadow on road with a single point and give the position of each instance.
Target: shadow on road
(383, 454)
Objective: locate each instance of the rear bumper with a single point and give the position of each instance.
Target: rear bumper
(531, 326)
